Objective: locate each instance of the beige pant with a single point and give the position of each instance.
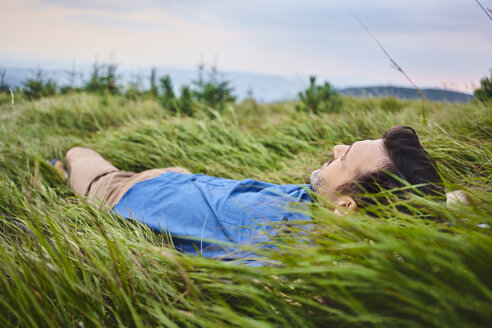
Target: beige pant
(104, 185)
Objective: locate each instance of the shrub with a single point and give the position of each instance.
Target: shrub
(38, 86)
(186, 101)
(134, 88)
(153, 86)
(133, 91)
(95, 82)
(72, 76)
(168, 99)
(484, 93)
(3, 86)
(214, 92)
(183, 104)
(319, 98)
(110, 79)
(68, 89)
(103, 79)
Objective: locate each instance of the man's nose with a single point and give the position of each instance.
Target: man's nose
(339, 150)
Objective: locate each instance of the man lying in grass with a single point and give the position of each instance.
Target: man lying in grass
(207, 214)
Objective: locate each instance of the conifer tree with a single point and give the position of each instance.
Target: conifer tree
(186, 101)
(103, 79)
(213, 92)
(95, 83)
(3, 86)
(153, 85)
(319, 98)
(110, 79)
(39, 86)
(168, 98)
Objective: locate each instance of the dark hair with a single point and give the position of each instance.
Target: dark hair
(408, 162)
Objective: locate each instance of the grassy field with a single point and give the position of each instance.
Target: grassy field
(65, 263)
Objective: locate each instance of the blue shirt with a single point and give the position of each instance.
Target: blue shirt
(209, 215)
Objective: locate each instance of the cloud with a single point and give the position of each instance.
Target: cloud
(433, 40)
(105, 5)
(405, 16)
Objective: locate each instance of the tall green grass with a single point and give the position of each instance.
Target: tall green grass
(65, 263)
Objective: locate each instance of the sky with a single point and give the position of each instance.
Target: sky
(444, 44)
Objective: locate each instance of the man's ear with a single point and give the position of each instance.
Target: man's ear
(344, 204)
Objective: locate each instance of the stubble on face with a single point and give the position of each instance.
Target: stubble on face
(315, 180)
(366, 156)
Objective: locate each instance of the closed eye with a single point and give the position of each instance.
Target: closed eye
(345, 155)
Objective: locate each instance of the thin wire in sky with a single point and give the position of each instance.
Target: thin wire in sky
(485, 10)
(393, 62)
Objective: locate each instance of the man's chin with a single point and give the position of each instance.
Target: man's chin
(315, 180)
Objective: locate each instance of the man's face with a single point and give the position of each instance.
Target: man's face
(348, 162)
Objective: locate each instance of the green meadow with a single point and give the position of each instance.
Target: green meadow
(64, 263)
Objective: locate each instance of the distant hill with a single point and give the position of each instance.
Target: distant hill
(407, 93)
